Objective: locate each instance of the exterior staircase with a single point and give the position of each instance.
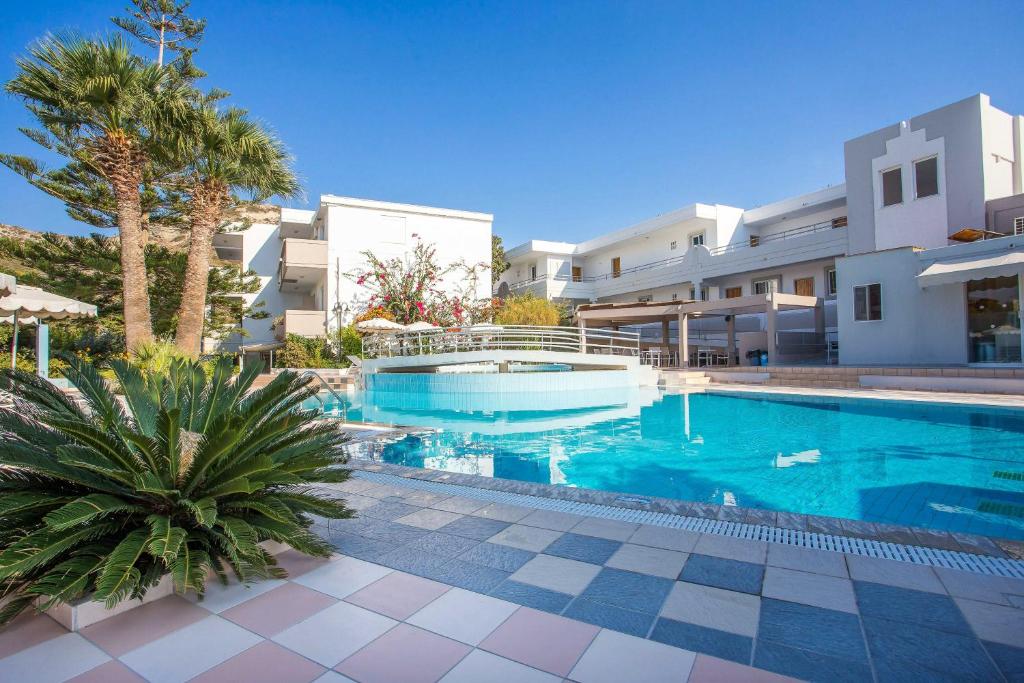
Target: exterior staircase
(683, 378)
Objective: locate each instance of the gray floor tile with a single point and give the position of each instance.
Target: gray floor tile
(368, 549)
(629, 590)
(701, 639)
(894, 573)
(660, 537)
(741, 549)
(474, 577)
(502, 557)
(827, 632)
(463, 506)
(830, 592)
(1009, 660)
(551, 519)
(809, 666)
(477, 528)
(611, 529)
(644, 559)
(532, 596)
(529, 538)
(502, 512)
(903, 651)
(994, 589)
(807, 560)
(425, 518)
(610, 617)
(557, 574)
(394, 533)
(446, 545)
(418, 562)
(994, 622)
(722, 573)
(583, 548)
(714, 608)
(389, 510)
(912, 607)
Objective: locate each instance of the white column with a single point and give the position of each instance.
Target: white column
(684, 342)
(771, 310)
(583, 335)
(730, 338)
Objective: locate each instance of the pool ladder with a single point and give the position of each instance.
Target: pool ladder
(330, 389)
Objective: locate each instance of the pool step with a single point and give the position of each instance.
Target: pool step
(681, 378)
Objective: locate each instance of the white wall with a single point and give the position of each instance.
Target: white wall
(261, 251)
(918, 326)
(913, 222)
(393, 231)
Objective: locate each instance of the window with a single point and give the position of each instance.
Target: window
(766, 286)
(755, 240)
(892, 186)
(533, 272)
(830, 281)
(697, 240)
(645, 298)
(672, 245)
(804, 286)
(840, 222)
(926, 177)
(867, 302)
(733, 292)
(616, 267)
(577, 274)
(674, 296)
(703, 293)
(1018, 225)
(993, 319)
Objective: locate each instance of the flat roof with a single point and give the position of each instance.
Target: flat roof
(335, 200)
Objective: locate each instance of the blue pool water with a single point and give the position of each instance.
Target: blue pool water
(955, 468)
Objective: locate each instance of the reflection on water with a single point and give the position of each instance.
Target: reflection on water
(945, 467)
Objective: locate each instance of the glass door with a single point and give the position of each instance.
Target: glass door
(993, 320)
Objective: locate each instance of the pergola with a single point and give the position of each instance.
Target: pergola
(618, 314)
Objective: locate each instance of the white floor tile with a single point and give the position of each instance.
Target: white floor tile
(614, 657)
(483, 667)
(190, 651)
(55, 660)
(333, 634)
(342, 577)
(464, 616)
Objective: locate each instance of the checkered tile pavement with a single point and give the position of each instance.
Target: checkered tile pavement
(428, 588)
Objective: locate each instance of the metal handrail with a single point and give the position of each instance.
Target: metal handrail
(330, 389)
(498, 338)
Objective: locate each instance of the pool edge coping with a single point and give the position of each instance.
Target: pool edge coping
(792, 521)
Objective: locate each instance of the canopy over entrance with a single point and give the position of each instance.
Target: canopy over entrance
(963, 270)
(615, 314)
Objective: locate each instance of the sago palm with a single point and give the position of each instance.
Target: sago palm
(184, 475)
(107, 111)
(229, 159)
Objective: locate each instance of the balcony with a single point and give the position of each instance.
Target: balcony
(303, 264)
(302, 323)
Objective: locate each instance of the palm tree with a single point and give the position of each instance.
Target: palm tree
(107, 111)
(187, 476)
(226, 153)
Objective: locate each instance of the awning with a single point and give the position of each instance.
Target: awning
(32, 303)
(260, 346)
(963, 270)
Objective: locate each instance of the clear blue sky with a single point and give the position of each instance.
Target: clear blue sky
(564, 119)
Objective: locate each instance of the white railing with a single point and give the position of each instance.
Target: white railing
(502, 338)
(753, 243)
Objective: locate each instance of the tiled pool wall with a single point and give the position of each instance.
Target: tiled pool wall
(504, 383)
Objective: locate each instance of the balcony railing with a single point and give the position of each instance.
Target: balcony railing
(303, 323)
(754, 243)
(502, 338)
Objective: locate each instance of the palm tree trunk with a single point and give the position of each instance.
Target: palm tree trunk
(205, 212)
(138, 324)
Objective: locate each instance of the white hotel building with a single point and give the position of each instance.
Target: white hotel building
(885, 254)
(881, 267)
(305, 260)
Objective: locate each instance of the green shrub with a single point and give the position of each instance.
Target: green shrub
(187, 475)
(529, 309)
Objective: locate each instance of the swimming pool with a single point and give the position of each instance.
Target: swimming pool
(950, 467)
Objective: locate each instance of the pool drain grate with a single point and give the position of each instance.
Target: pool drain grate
(933, 557)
